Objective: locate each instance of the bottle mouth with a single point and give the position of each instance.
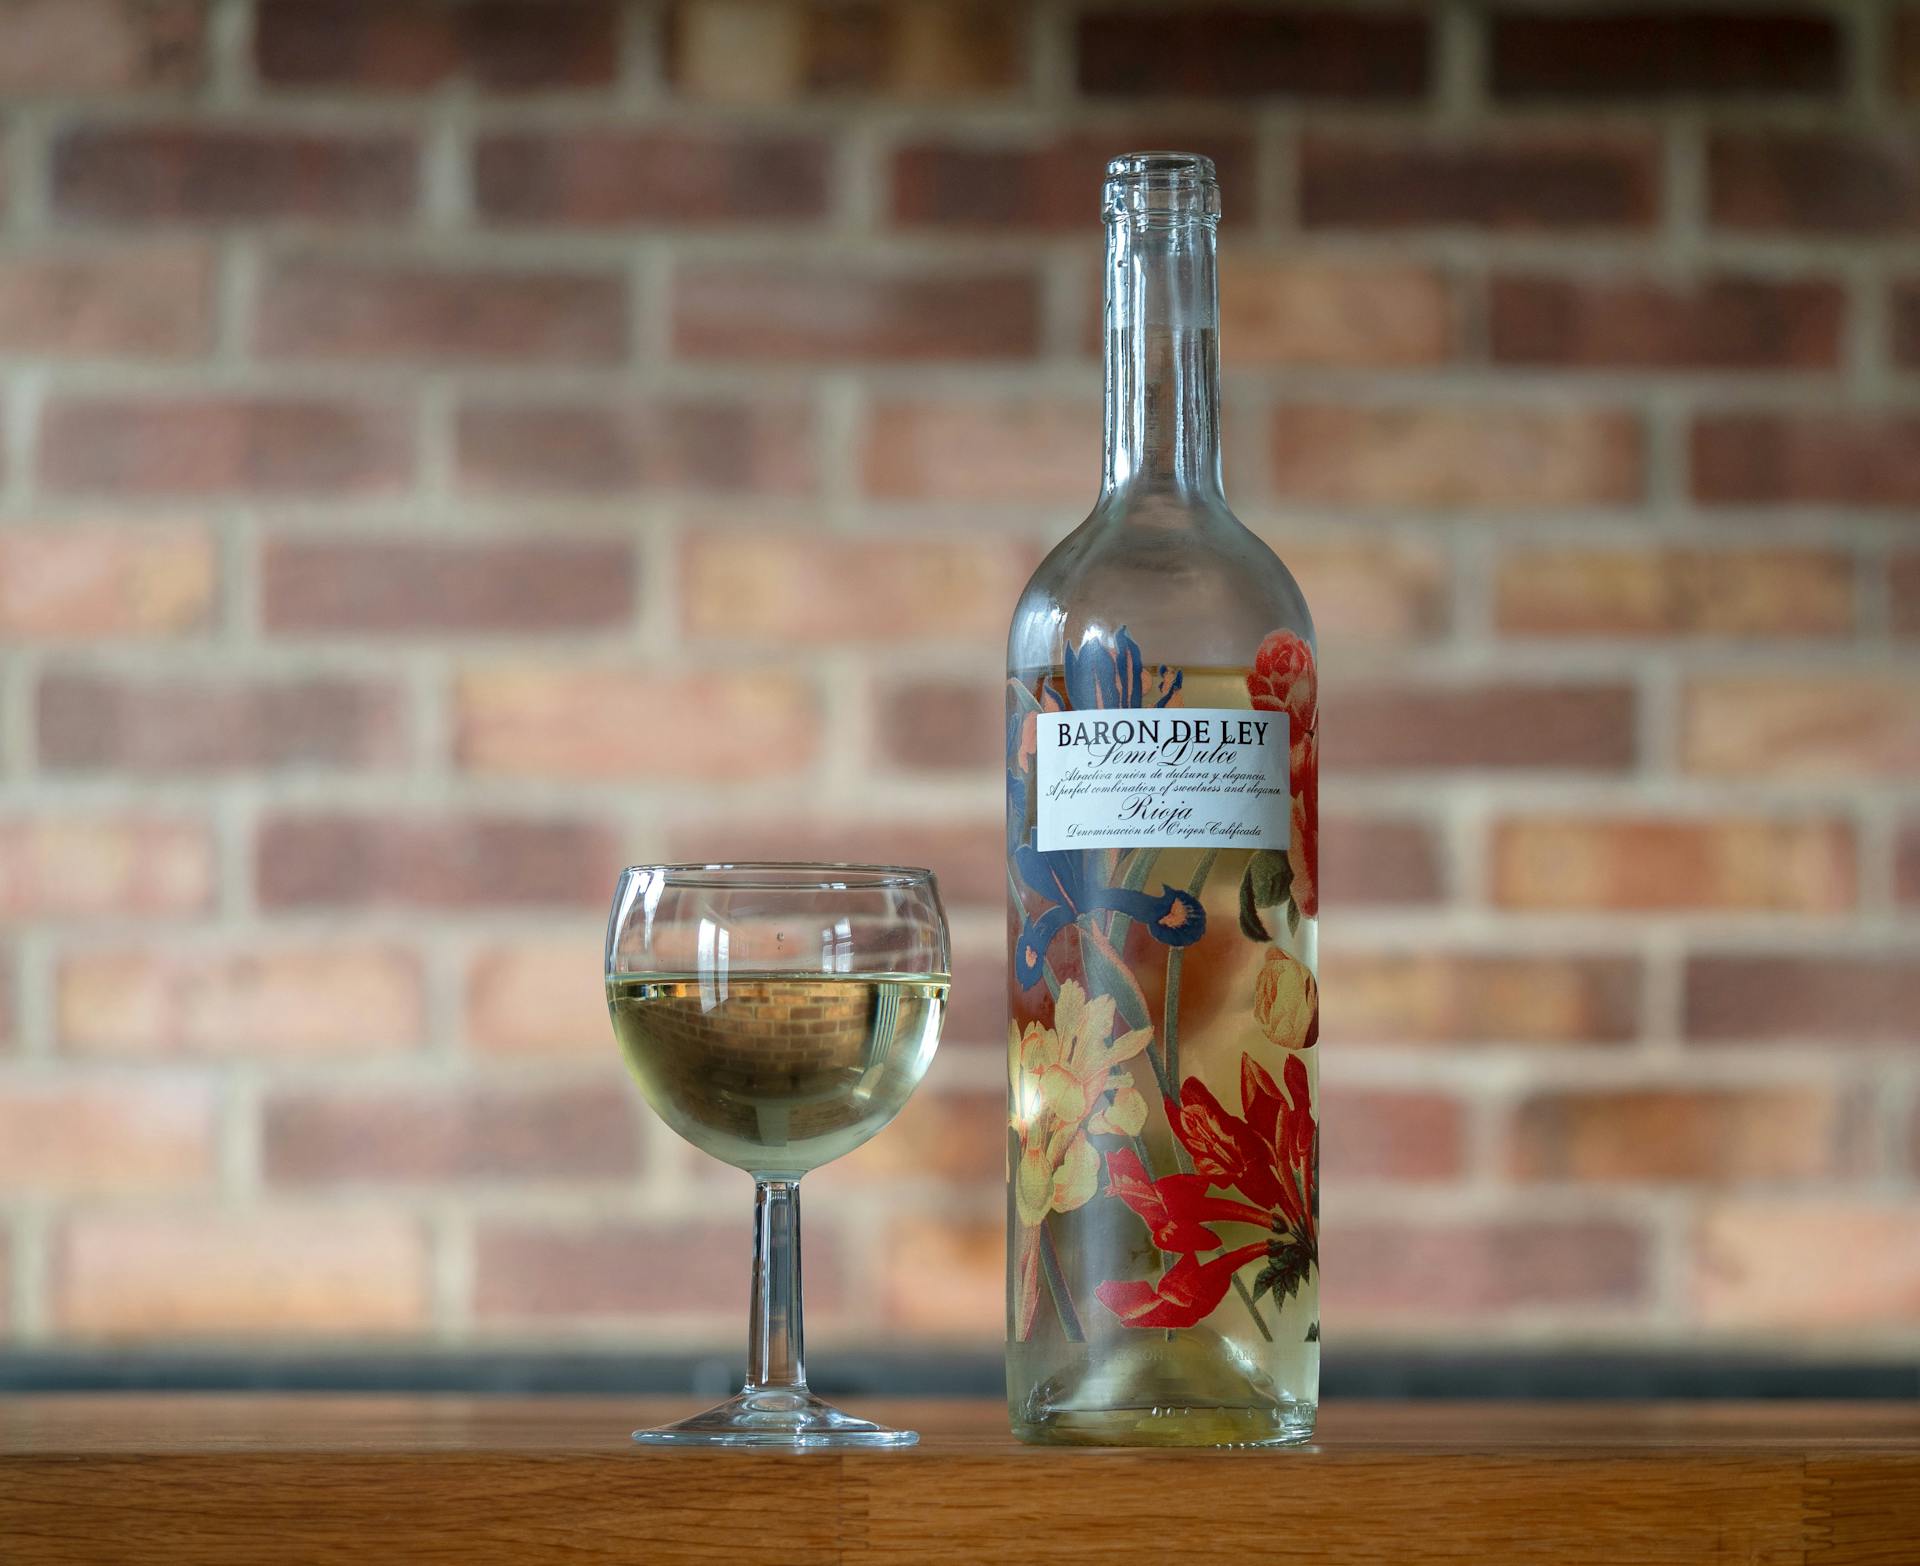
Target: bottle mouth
(1158, 188)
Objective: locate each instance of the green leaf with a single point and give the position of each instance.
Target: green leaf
(1105, 977)
(1266, 884)
(1313, 1332)
(1288, 1263)
(1293, 917)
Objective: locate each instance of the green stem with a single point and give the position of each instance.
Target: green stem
(1170, 1012)
(1140, 864)
(1170, 1024)
(1253, 1307)
(1057, 1287)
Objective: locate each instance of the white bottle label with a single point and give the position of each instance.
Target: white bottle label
(1172, 777)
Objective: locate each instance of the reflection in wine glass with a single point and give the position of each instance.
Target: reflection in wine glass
(777, 1016)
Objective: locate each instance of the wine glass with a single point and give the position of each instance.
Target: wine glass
(777, 1016)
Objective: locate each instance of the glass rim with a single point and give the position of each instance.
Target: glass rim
(784, 874)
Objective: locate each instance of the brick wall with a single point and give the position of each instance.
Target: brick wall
(448, 450)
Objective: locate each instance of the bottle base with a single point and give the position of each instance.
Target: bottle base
(1285, 1424)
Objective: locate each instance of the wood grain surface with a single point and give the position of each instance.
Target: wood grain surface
(174, 1479)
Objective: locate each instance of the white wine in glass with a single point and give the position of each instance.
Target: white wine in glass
(777, 1016)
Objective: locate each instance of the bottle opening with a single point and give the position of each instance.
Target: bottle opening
(1161, 187)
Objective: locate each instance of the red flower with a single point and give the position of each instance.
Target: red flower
(1177, 1209)
(1284, 680)
(1267, 1153)
(1187, 1293)
(1224, 1147)
(1305, 862)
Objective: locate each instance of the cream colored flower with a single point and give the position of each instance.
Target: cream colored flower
(1067, 1087)
(1286, 1001)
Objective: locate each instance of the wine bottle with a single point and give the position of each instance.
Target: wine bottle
(1162, 848)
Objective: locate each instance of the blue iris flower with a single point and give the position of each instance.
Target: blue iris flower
(1104, 673)
(1113, 675)
(1071, 882)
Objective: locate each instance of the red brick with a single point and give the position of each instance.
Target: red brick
(1652, 53)
(1907, 865)
(996, 452)
(1904, 306)
(1822, 1263)
(328, 1274)
(1276, 312)
(936, 724)
(1552, 180)
(340, 860)
(1805, 726)
(1456, 998)
(1369, 590)
(783, 586)
(139, 1136)
(1050, 184)
(1903, 584)
(1412, 727)
(797, 310)
(1457, 1269)
(150, 301)
(945, 1277)
(604, 448)
(626, 1270)
(1675, 592)
(804, 48)
(1368, 861)
(1386, 1134)
(1655, 864)
(99, 866)
(587, 722)
(1234, 52)
(403, 1136)
(137, 724)
(505, 44)
(977, 1005)
(1692, 1134)
(212, 444)
(381, 585)
(1455, 456)
(185, 173)
(58, 46)
(72, 582)
(607, 179)
(1841, 459)
(1823, 999)
(545, 997)
(969, 859)
(268, 1001)
(1814, 180)
(1721, 323)
(957, 1138)
(330, 308)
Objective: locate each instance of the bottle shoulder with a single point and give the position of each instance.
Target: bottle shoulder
(1191, 584)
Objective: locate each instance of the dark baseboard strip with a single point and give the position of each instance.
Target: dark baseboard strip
(1359, 1374)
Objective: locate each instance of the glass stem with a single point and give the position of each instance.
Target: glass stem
(776, 1336)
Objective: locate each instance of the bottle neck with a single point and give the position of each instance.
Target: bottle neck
(1163, 360)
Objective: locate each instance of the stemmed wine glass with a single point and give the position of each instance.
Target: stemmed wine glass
(777, 1016)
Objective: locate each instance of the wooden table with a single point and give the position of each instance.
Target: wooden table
(155, 1480)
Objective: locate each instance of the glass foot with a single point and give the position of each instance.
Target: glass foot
(769, 1417)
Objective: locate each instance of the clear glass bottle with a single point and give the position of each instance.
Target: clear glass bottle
(1162, 856)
